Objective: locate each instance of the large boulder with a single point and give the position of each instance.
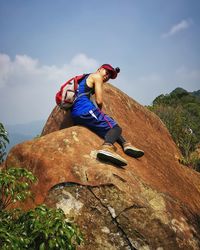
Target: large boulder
(152, 203)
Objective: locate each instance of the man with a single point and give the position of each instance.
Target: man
(85, 112)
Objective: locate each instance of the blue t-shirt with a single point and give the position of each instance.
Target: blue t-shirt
(83, 105)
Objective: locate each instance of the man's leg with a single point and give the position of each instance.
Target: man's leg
(113, 134)
(129, 149)
(108, 150)
(106, 128)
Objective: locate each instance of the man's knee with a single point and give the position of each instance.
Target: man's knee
(118, 129)
(113, 134)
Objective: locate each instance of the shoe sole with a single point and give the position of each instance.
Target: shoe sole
(105, 156)
(134, 153)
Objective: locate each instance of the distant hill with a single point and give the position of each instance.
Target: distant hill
(196, 93)
(179, 96)
(181, 91)
(21, 132)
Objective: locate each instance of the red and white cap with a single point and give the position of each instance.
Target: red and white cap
(113, 71)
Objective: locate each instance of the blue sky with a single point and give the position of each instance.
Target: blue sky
(156, 44)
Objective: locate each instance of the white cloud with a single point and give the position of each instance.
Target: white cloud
(27, 87)
(182, 25)
(5, 68)
(26, 70)
(81, 59)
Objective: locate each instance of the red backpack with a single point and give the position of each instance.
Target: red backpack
(68, 92)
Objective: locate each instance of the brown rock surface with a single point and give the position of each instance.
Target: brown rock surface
(153, 203)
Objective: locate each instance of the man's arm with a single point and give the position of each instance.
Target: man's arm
(96, 82)
(98, 86)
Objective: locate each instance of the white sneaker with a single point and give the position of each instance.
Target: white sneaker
(107, 153)
(132, 151)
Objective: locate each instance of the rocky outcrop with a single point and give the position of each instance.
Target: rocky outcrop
(152, 203)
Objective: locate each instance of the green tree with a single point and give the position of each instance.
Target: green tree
(3, 141)
(39, 228)
(179, 126)
(180, 112)
(14, 185)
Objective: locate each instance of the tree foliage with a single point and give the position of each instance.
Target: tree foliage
(180, 112)
(14, 185)
(3, 142)
(40, 228)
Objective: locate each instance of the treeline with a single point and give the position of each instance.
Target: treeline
(180, 112)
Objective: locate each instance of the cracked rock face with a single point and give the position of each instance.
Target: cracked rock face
(152, 203)
(112, 219)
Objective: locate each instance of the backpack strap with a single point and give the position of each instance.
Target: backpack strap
(77, 80)
(86, 93)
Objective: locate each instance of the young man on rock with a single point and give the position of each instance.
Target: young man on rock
(84, 112)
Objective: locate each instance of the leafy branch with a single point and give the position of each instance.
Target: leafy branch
(40, 228)
(3, 141)
(14, 185)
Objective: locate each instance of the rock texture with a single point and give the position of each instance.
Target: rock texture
(152, 203)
